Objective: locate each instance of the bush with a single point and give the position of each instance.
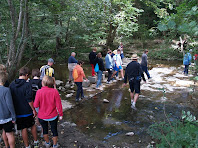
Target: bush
(177, 134)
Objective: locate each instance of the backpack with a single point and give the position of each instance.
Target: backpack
(96, 69)
(75, 74)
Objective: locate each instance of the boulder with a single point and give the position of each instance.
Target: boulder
(92, 79)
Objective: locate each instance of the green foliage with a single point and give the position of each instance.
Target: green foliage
(176, 134)
(165, 54)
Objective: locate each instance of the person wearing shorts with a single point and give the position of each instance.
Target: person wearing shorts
(21, 91)
(50, 109)
(134, 73)
(7, 113)
(117, 62)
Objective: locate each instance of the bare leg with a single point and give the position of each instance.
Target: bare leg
(55, 139)
(25, 137)
(131, 94)
(113, 74)
(11, 139)
(34, 132)
(122, 74)
(5, 139)
(136, 97)
(46, 138)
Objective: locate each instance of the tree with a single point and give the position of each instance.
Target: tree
(15, 34)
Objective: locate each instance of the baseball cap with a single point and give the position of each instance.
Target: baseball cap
(51, 60)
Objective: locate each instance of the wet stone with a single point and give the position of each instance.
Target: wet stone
(129, 134)
(105, 101)
(58, 82)
(86, 83)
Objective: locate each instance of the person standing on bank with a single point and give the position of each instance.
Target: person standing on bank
(78, 81)
(48, 70)
(134, 73)
(101, 69)
(72, 62)
(92, 57)
(187, 61)
(109, 64)
(144, 63)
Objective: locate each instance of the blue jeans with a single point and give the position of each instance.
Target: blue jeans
(186, 69)
(145, 69)
(99, 74)
(79, 90)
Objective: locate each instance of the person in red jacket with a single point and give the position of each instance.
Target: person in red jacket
(50, 109)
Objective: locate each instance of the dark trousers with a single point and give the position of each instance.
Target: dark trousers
(109, 74)
(145, 69)
(53, 125)
(186, 69)
(79, 90)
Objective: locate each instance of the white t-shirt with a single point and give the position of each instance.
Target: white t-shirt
(117, 59)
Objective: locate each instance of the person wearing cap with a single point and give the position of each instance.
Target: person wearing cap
(133, 74)
(144, 63)
(187, 61)
(48, 70)
(72, 62)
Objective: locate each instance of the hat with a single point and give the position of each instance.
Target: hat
(50, 60)
(115, 51)
(190, 50)
(134, 57)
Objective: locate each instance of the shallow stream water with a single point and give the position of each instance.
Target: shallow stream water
(167, 92)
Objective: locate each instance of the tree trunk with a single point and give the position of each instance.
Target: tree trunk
(15, 52)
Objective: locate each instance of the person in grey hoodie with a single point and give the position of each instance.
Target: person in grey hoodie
(109, 64)
(144, 63)
(7, 113)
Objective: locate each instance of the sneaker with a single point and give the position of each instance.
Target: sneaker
(36, 145)
(47, 145)
(133, 107)
(56, 146)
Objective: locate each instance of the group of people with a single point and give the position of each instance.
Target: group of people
(113, 64)
(24, 99)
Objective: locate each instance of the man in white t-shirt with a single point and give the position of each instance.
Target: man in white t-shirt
(117, 64)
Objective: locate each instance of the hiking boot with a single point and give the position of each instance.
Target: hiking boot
(47, 145)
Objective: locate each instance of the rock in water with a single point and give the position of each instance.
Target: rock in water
(58, 82)
(105, 101)
(129, 134)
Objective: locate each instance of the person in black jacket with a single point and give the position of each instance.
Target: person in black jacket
(92, 57)
(21, 91)
(134, 73)
(100, 63)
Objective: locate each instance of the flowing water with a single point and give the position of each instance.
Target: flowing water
(167, 92)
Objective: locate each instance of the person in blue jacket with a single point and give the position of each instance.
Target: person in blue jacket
(187, 61)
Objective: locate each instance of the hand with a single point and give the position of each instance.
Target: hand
(123, 85)
(35, 113)
(60, 117)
